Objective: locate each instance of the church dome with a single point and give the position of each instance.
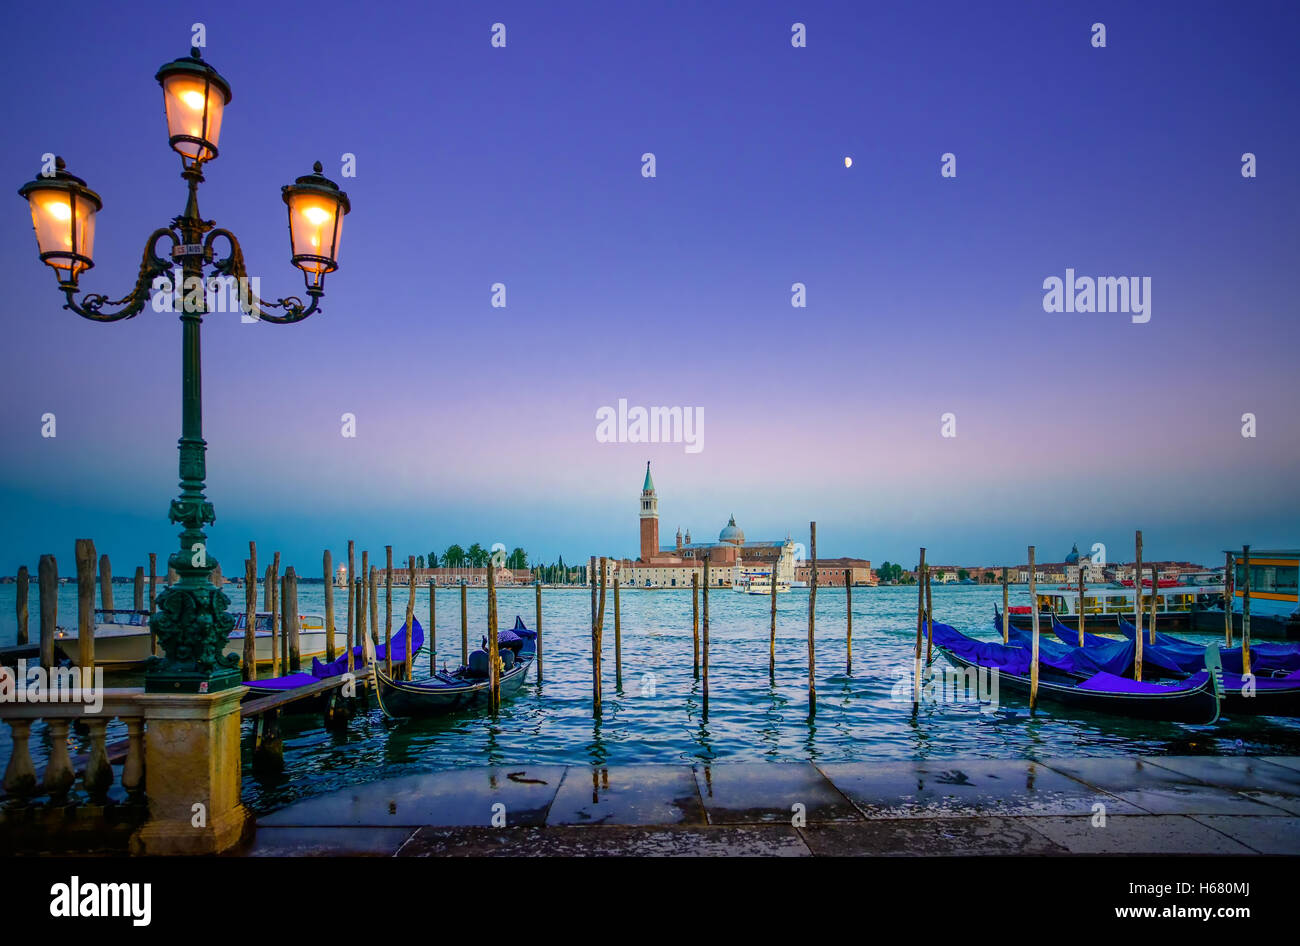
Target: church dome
(1073, 557)
(732, 533)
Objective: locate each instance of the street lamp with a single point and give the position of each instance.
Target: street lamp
(192, 624)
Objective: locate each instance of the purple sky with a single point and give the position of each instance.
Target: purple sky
(522, 165)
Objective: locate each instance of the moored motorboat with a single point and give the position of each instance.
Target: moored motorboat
(311, 636)
(122, 639)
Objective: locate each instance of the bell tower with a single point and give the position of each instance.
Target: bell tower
(649, 517)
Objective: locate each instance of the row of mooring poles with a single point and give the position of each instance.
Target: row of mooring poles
(47, 583)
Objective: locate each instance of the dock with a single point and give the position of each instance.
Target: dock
(1238, 805)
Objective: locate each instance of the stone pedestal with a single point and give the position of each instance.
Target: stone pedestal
(192, 758)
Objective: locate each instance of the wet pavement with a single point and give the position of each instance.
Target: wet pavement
(1158, 805)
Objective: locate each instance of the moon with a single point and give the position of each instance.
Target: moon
(848, 162)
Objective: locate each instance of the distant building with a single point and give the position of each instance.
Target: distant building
(672, 566)
(830, 572)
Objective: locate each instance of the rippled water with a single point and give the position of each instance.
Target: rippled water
(656, 715)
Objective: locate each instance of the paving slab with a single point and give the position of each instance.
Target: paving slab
(752, 792)
(944, 789)
(1265, 835)
(928, 837)
(453, 797)
(1273, 785)
(614, 841)
(1158, 789)
(1290, 761)
(1137, 834)
(627, 795)
(315, 842)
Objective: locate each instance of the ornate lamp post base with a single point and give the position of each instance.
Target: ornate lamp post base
(193, 628)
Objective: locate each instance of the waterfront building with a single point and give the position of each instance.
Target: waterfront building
(830, 572)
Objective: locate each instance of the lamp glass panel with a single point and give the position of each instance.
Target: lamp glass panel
(313, 230)
(52, 219)
(184, 96)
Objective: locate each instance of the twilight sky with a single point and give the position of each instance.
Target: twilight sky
(522, 165)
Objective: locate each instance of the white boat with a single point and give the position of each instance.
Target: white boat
(311, 637)
(756, 581)
(122, 639)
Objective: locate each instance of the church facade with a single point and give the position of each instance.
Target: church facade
(672, 566)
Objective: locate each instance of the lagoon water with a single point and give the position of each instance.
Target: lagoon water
(655, 716)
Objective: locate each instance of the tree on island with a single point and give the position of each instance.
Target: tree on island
(477, 555)
(517, 559)
(962, 574)
(454, 557)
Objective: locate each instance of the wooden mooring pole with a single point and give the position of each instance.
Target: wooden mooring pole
(373, 596)
(388, 612)
(1155, 593)
(1006, 613)
(352, 602)
(85, 552)
(1083, 609)
(137, 589)
(848, 613)
(47, 584)
(249, 663)
(537, 586)
(1033, 660)
(1245, 610)
(20, 604)
(920, 628)
(433, 629)
(705, 690)
(1137, 606)
(327, 567)
(695, 623)
(464, 627)
(1229, 580)
(771, 634)
(153, 582)
(618, 641)
(292, 626)
(597, 632)
(812, 622)
(410, 617)
(929, 617)
(105, 583)
(494, 645)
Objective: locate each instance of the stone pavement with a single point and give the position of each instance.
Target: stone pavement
(1156, 805)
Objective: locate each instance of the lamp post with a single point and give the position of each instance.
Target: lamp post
(192, 624)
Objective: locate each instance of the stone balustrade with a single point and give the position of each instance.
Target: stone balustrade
(20, 780)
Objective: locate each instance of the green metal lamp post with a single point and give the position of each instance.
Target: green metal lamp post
(192, 624)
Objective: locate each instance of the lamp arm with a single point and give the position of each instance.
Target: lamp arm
(233, 265)
(151, 267)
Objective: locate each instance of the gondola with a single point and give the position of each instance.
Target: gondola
(1194, 700)
(1272, 692)
(464, 688)
(322, 671)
